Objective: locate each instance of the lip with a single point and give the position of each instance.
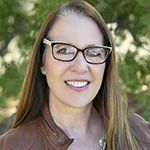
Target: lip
(78, 89)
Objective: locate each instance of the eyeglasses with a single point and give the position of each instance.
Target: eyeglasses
(66, 52)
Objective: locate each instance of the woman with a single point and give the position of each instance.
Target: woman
(70, 97)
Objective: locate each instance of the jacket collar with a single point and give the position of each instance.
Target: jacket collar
(52, 132)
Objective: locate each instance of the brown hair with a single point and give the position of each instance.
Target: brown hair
(108, 102)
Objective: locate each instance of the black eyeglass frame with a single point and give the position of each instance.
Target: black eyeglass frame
(52, 43)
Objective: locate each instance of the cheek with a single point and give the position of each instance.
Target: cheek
(54, 71)
(99, 71)
(50, 64)
(49, 69)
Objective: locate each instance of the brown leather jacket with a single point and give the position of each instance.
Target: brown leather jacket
(44, 134)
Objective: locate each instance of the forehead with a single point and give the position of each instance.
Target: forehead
(76, 29)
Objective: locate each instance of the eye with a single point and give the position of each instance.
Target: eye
(64, 49)
(93, 52)
(96, 52)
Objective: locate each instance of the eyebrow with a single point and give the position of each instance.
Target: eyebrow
(91, 45)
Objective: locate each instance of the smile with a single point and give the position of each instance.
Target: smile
(77, 84)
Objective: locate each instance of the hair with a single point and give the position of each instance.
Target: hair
(108, 101)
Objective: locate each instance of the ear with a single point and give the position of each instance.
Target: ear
(42, 68)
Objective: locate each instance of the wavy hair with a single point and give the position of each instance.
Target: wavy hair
(108, 102)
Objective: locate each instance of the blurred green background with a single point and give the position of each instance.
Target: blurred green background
(128, 20)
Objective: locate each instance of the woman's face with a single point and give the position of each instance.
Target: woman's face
(73, 84)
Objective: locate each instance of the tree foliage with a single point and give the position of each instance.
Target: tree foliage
(20, 21)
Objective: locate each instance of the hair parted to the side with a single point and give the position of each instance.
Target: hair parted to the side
(108, 102)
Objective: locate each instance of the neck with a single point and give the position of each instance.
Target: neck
(75, 122)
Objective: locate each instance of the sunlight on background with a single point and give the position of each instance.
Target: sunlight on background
(127, 43)
(12, 55)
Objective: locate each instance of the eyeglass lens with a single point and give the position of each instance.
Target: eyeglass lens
(66, 52)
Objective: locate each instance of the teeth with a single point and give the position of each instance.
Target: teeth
(77, 83)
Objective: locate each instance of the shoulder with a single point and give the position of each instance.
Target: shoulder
(17, 138)
(140, 127)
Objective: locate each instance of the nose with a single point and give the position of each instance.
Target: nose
(79, 64)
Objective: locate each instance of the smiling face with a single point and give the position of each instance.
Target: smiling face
(73, 84)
